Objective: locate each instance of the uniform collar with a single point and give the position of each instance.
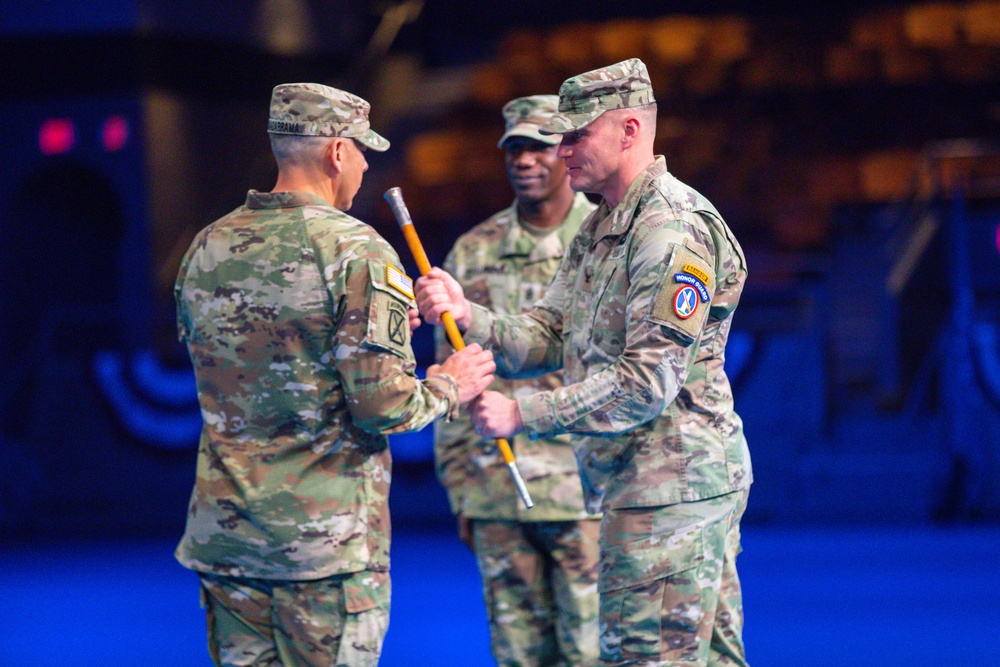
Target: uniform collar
(618, 220)
(290, 199)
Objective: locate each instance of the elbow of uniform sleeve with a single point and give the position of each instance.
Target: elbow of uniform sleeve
(402, 404)
(651, 398)
(384, 407)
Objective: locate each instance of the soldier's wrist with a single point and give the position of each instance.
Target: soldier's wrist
(478, 329)
(445, 387)
(536, 415)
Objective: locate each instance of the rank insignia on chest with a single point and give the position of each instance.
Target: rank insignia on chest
(398, 280)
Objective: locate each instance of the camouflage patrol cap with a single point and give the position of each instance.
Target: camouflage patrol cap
(524, 115)
(312, 109)
(584, 97)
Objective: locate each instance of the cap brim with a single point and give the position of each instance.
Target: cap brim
(561, 123)
(529, 132)
(374, 141)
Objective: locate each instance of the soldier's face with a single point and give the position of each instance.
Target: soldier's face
(355, 166)
(534, 169)
(592, 154)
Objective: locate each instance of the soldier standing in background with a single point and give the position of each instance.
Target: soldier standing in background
(638, 317)
(539, 567)
(297, 319)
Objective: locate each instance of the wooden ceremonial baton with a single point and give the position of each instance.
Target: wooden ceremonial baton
(395, 198)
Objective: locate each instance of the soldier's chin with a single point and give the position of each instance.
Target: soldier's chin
(529, 194)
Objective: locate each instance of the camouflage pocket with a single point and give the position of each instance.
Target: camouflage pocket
(366, 590)
(654, 557)
(638, 582)
(205, 601)
(366, 599)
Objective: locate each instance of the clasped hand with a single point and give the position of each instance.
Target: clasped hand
(437, 293)
(495, 416)
(472, 369)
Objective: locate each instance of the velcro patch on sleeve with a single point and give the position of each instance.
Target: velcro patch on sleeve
(685, 294)
(388, 311)
(389, 323)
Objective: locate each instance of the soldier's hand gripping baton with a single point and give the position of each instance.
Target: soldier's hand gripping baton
(395, 198)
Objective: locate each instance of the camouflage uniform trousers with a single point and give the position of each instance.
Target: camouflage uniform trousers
(540, 586)
(670, 594)
(340, 620)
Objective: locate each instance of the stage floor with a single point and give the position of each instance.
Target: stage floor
(814, 598)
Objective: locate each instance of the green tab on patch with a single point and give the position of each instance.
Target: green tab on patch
(397, 278)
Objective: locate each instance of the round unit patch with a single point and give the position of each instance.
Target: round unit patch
(685, 302)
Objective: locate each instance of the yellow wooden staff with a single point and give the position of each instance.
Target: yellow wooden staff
(395, 198)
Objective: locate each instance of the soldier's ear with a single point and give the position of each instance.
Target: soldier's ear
(631, 126)
(335, 154)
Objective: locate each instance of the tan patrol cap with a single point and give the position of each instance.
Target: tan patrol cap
(312, 109)
(524, 115)
(584, 97)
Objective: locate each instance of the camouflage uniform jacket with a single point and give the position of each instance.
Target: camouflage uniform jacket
(638, 317)
(301, 349)
(505, 268)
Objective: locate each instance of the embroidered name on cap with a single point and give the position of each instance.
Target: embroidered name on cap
(398, 280)
(285, 126)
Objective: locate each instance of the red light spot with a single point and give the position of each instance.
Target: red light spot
(56, 136)
(114, 136)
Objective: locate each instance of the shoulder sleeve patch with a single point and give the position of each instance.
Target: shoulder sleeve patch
(685, 293)
(388, 316)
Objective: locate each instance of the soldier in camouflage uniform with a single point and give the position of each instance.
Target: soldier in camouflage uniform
(539, 567)
(637, 316)
(297, 319)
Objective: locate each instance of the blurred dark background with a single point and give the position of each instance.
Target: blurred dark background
(853, 147)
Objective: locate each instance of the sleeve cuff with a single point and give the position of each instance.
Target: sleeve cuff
(446, 388)
(538, 415)
(481, 326)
